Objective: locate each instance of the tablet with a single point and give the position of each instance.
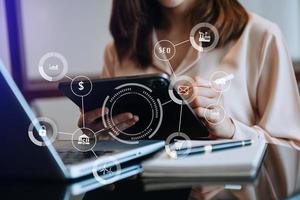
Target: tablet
(161, 110)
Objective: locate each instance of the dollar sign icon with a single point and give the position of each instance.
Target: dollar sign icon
(81, 87)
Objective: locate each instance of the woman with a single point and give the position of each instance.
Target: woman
(263, 98)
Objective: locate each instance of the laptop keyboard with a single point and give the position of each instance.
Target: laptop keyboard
(73, 157)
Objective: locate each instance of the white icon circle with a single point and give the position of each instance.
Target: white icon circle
(45, 129)
(164, 50)
(220, 81)
(214, 114)
(81, 86)
(142, 94)
(53, 66)
(204, 37)
(184, 144)
(84, 139)
(184, 86)
(110, 170)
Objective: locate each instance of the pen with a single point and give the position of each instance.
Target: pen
(212, 147)
(223, 80)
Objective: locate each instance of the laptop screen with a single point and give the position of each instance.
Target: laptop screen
(15, 114)
(20, 156)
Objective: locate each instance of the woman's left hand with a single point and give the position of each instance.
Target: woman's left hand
(207, 105)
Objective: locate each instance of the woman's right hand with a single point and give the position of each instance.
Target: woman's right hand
(93, 121)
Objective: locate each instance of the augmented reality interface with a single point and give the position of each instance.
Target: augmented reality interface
(53, 67)
(142, 94)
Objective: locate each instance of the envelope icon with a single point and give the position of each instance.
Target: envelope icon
(183, 90)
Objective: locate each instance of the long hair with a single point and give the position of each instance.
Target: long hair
(132, 23)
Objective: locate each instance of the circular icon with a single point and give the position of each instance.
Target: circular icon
(81, 86)
(204, 37)
(127, 96)
(42, 131)
(107, 172)
(178, 141)
(214, 114)
(84, 139)
(181, 89)
(220, 81)
(53, 66)
(164, 50)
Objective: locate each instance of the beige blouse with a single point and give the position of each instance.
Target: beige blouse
(263, 98)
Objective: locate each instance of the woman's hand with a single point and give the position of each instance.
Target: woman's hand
(93, 121)
(207, 105)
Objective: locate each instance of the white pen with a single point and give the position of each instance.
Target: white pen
(223, 80)
(208, 148)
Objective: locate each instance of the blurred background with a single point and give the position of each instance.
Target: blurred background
(78, 29)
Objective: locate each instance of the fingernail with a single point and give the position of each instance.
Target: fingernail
(136, 118)
(130, 116)
(106, 110)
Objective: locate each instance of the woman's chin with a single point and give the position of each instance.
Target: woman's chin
(171, 3)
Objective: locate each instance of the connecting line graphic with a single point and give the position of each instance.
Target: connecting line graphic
(180, 116)
(185, 41)
(167, 102)
(219, 98)
(64, 133)
(171, 68)
(106, 129)
(94, 153)
(168, 62)
(83, 115)
(68, 77)
(101, 131)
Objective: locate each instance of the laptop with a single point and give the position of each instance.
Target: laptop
(22, 159)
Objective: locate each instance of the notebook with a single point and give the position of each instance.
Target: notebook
(238, 162)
